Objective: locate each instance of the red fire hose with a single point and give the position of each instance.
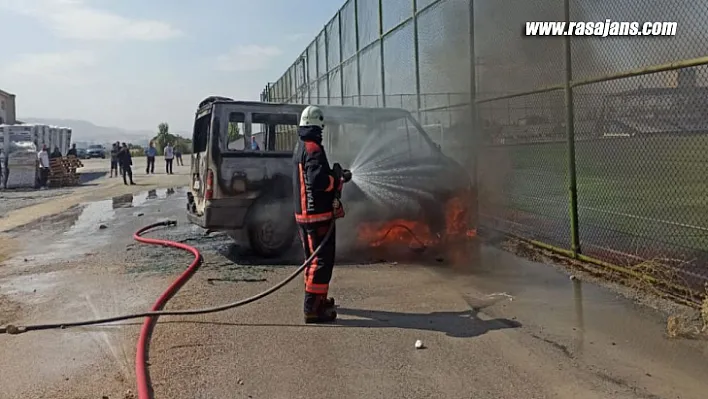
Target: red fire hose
(142, 379)
(143, 384)
(141, 373)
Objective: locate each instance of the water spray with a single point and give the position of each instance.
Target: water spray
(391, 173)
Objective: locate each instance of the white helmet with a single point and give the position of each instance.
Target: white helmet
(312, 116)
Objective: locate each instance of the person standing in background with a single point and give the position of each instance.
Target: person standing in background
(169, 157)
(120, 165)
(178, 155)
(43, 158)
(114, 160)
(72, 151)
(254, 144)
(126, 163)
(151, 153)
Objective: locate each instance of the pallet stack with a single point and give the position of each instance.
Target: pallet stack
(62, 171)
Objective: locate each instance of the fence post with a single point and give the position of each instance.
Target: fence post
(475, 128)
(358, 54)
(306, 74)
(317, 68)
(327, 69)
(416, 55)
(570, 131)
(381, 54)
(341, 58)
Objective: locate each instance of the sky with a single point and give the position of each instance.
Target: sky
(136, 63)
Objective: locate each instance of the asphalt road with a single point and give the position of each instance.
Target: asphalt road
(496, 327)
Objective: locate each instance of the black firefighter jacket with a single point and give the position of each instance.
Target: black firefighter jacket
(314, 182)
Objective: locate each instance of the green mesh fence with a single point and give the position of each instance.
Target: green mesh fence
(639, 107)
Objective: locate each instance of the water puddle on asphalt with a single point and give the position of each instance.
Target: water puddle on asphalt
(143, 198)
(574, 313)
(79, 230)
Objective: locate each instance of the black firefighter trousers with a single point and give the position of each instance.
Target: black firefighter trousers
(319, 272)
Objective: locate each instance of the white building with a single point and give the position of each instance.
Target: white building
(7, 108)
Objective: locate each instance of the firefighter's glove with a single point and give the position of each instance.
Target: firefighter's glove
(337, 171)
(338, 208)
(343, 175)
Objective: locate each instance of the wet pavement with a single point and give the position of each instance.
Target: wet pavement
(13, 199)
(71, 266)
(496, 326)
(83, 228)
(614, 337)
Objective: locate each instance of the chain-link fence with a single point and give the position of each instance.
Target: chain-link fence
(595, 146)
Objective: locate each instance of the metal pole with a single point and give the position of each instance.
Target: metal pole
(358, 63)
(341, 58)
(287, 88)
(475, 132)
(416, 56)
(570, 130)
(306, 74)
(326, 54)
(317, 66)
(381, 54)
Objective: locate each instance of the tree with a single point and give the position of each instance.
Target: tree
(163, 137)
(234, 132)
(184, 145)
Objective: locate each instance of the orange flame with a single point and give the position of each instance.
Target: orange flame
(415, 233)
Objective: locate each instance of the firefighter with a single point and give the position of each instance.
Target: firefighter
(316, 187)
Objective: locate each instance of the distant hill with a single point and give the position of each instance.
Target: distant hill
(87, 132)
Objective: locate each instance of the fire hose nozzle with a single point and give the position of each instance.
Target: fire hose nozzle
(346, 175)
(340, 173)
(12, 330)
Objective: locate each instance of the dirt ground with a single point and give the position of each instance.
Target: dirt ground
(495, 327)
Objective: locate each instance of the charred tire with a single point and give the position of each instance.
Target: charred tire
(270, 226)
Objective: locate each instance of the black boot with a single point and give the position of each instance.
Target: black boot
(319, 309)
(329, 302)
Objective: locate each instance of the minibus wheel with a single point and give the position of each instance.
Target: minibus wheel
(271, 227)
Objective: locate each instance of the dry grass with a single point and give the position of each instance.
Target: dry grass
(662, 277)
(685, 326)
(658, 276)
